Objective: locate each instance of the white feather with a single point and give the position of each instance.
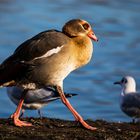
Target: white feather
(50, 52)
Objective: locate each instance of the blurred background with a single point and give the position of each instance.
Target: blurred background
(116, 24)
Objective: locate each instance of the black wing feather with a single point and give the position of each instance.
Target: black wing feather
(13, 67)
(40, 44)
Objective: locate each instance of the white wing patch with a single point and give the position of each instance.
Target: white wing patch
(50, 52)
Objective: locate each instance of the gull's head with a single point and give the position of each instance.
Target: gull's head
(128, 84)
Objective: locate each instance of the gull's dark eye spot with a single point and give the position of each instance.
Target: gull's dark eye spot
(86, 26)
(124, 80)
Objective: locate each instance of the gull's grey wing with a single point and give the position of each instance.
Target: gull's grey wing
(131, 104)
(55, 97)
(37, 95)
(43, 95)
(15, 93)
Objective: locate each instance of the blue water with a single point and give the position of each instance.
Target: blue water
(117, 25)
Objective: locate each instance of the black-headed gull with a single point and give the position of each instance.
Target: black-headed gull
(34, 99)
(130, 98)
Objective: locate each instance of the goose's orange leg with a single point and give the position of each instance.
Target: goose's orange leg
(16, 115)
(74, 112)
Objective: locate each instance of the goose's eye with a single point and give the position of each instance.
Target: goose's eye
(85, 26)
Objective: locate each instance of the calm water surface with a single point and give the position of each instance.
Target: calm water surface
(117, 25)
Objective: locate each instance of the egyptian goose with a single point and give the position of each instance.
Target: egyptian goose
(46, 60)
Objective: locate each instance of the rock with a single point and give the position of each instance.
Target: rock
(56, 129)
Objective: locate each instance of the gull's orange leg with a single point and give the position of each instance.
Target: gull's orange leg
(16, 115)
(74, 112)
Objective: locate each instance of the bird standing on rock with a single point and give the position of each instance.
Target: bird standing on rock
(35, 99)
(46, 60)
(130, 98)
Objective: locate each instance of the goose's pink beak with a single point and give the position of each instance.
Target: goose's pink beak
(92, 36)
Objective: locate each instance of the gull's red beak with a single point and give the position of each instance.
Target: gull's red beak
(92, 36)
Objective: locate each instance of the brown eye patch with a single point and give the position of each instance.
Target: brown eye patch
(85, 26)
